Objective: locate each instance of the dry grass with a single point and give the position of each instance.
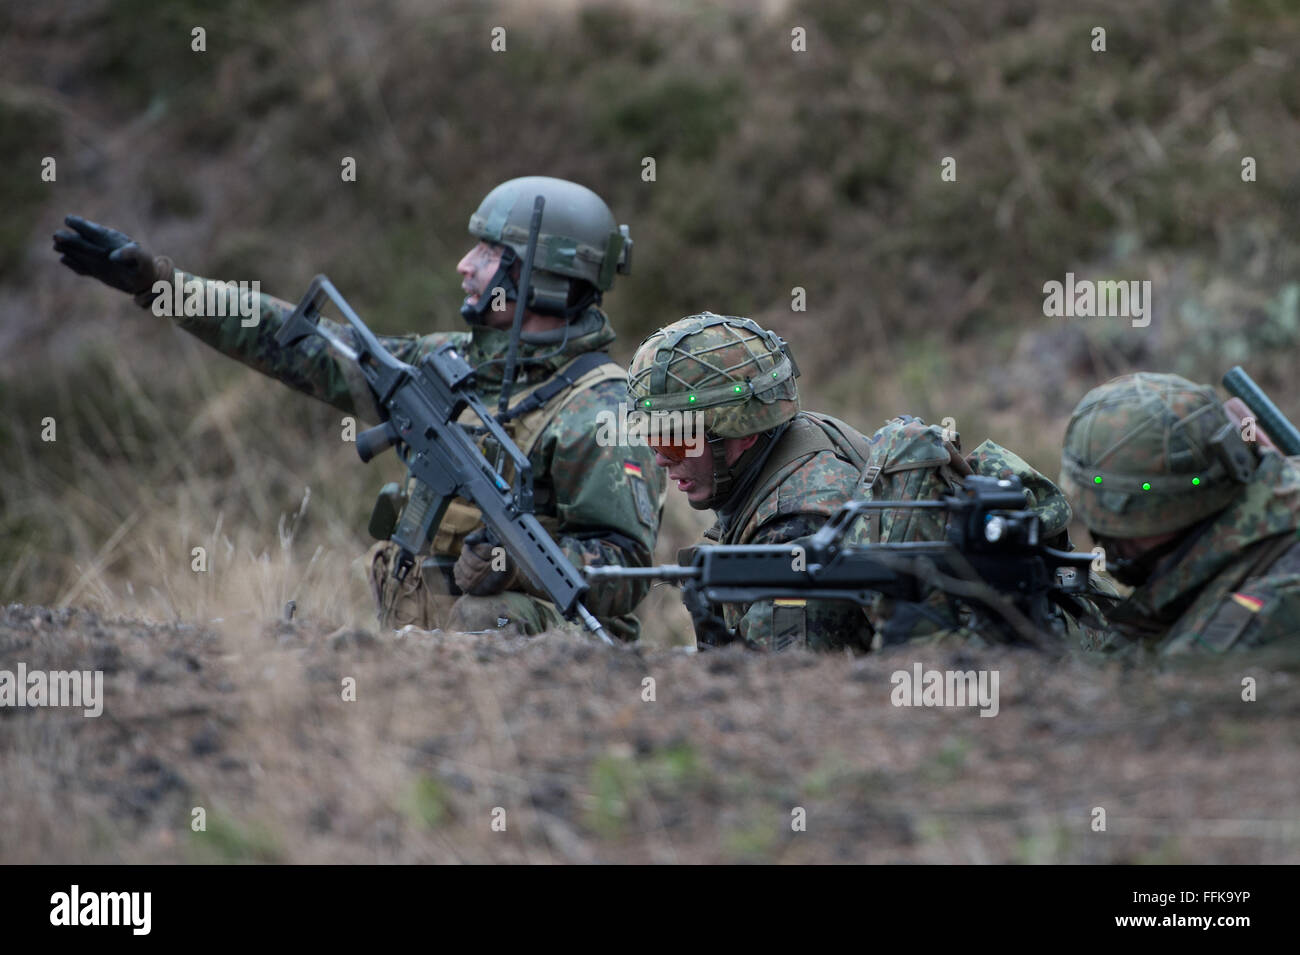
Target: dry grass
(246, 720)
(774, 171)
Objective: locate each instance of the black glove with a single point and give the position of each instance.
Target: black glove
(474, 572)
(110, 256)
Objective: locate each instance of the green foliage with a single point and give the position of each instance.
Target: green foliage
(144, 50)
(611, 782)
(756, 836)
(949, 763)
(673, 116)
(426, 803)
(27, 135)
(621, 784)
(230, 840)
(1046, 843)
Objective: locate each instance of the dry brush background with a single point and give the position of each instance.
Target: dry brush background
(774, 170)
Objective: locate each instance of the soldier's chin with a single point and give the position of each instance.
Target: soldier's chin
(469, 310)
(697, 497)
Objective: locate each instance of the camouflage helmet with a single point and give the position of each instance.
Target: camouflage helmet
(1147, 454)
(739, 374)
(578, 238)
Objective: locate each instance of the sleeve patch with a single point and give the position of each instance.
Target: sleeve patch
(645, 509)
(1250, 603)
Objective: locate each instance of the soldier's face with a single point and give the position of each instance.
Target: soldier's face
(1132, 548)
(476, 270)
(694, 474)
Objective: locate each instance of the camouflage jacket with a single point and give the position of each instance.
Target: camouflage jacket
(791, 496)
(913, 461)
(1233, 585)
(607, 500)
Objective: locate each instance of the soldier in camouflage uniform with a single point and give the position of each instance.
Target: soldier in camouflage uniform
(602, 504)
(770, 472)
(1202, 524)
(909, 460)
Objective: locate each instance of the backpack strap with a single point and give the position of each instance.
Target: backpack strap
(850, 443)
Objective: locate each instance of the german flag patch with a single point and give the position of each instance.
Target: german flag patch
(1250, 603)
(645, 509)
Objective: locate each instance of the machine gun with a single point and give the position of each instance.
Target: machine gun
(993, 558)
(420, 406)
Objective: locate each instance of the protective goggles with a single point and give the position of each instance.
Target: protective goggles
(675, 449)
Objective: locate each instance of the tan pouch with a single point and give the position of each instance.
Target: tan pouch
(461, 518)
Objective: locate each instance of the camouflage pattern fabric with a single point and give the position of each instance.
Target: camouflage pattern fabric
(913, 461)
(806, 491)
(1156, 459)
(737, 373)
(593, 493)
(422, 600)
(1232, 586)
(1148, 454)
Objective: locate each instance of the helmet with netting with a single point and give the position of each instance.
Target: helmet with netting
(1147, 454)
(738, 374)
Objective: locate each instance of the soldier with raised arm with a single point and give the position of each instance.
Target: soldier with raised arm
(601, 503)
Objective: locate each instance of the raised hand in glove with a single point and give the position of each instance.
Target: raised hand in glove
(110, 256)
(483, 569)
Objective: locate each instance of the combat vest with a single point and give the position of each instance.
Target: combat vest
(1235, 598)
(529, 413)
(809, 434)
(1235, 578)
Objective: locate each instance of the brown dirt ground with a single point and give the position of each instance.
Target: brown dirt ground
(246, 719)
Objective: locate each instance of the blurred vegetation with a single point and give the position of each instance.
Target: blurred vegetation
(774, 169)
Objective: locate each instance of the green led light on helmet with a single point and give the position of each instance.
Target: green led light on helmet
(738, 389)
(1196, 481)
(1146, 486)
(646, 403)
(691, 399)
(1097, 479)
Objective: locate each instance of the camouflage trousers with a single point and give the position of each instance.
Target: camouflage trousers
(423, 600)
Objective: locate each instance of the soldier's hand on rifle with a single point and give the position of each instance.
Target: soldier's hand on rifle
(483, 569)
(110, 256)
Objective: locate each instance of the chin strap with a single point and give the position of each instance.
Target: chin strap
(723, 477)
(736, 479)
(541, 304)
(473, 314)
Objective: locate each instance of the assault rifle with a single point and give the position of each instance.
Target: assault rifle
(993, 558)
(419, 406)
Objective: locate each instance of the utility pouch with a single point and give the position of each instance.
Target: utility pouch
(383, 519)
(441, 568)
